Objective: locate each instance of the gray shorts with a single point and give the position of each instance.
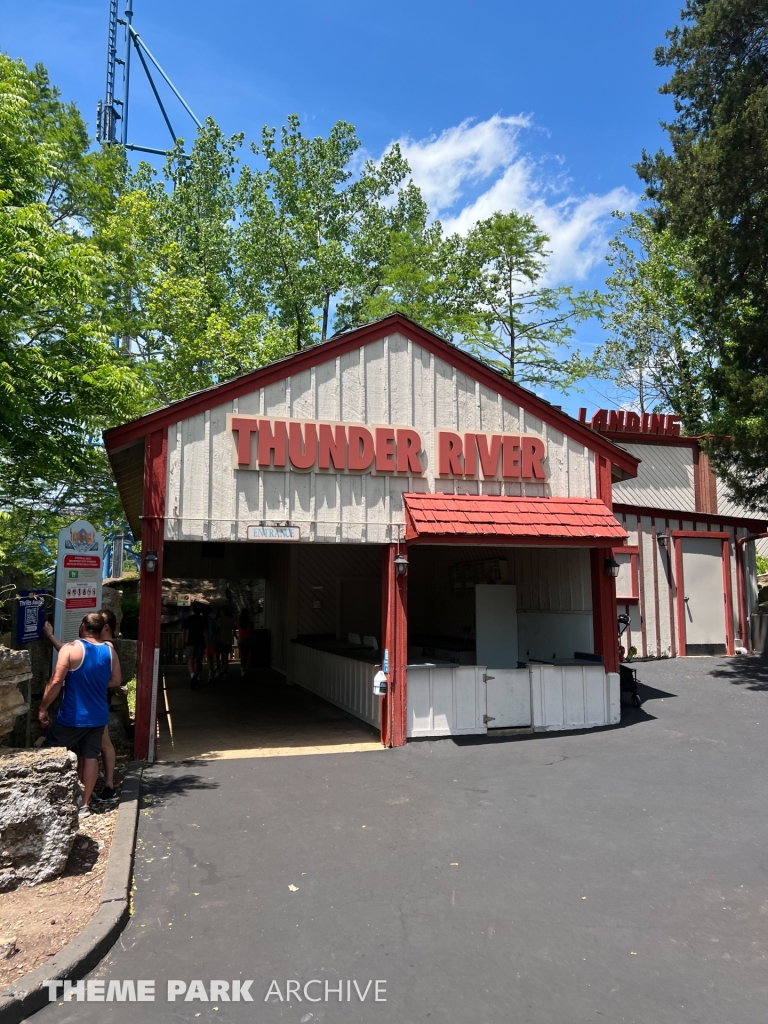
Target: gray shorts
(84, 742)
(193, 652)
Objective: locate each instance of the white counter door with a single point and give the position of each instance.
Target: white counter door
(508, 697)
(496, 625)
(704, 594)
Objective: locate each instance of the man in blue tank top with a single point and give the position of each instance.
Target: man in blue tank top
(86, 668)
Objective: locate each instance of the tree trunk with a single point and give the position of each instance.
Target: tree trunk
(326, 306)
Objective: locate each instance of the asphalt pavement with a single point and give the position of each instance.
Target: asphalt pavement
(619, 875)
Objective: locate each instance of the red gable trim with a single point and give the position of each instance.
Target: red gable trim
(691, 517)
(510, 520)
(118, 437)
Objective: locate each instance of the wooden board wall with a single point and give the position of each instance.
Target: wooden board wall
(390, 381)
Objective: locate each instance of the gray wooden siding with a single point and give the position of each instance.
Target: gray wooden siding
(664, 478)
(387, 381)
(726, 506)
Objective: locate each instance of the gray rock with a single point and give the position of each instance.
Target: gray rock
(126, 652)
(39, 795)
(111, 598)
(7, 948)
(15, 668)
(117, 730)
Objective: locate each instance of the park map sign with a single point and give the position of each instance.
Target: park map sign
(78, 577)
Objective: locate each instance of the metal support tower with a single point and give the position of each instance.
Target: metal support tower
(107, 114)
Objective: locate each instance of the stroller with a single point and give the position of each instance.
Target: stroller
(627, 675)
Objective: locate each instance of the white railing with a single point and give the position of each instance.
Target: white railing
(342, 681)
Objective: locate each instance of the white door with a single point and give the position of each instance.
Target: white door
(508, 690)
(496, 625)
(508, 697)
(704, 595)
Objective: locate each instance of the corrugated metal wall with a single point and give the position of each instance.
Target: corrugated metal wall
(664, 478)
(387, 381)
(726, 506)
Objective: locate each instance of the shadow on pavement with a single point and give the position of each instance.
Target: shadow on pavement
(752, 672)
(156, 789)
(646, 692)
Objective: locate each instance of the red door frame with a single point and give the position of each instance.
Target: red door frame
(150, 594)
(725, 555)
(394, 632)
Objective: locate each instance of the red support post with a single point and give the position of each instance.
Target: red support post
(604, 609)
(604, 615)
(150, 594)
(394, 615)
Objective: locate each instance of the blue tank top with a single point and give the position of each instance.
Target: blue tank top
(85, 703)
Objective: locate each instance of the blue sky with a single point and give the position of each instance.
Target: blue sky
(542, 107)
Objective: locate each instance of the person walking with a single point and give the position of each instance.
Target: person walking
(108, 755)
(211, 629)
(244, 640)
(86, 668)
(224, 636)
(193, 640)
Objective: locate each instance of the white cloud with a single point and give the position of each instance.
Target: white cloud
(489, 153)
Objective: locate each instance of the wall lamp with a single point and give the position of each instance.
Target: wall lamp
(611, 566)
(401, 565)
(663, 540)
(150, 561)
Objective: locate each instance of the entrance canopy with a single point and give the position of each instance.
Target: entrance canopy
(470, 517)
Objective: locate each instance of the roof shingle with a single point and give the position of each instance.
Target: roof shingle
(430, 516)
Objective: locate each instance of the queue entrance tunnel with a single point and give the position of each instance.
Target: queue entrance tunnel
(302, 690)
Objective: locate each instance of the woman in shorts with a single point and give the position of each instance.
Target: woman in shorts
(108, 756)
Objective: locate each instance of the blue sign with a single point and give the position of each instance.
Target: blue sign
(30, 618)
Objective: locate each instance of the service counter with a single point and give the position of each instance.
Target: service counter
(446, 699)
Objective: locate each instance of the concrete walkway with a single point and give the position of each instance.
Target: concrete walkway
(616, 876)
(255, 716)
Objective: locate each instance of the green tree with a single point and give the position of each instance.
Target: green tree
(61, 380)
(403, 262)
(518, 325)
(656, 348)
(189, 312)
(711, 191)
(302, 215)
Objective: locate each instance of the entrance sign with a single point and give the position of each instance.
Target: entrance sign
(274, 533)
(78, 577)
(308, 445)
(30, 617)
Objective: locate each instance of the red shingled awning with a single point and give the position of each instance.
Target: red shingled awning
(567, 522)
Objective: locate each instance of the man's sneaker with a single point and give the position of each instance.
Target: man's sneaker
(83, 812)
(107, 795)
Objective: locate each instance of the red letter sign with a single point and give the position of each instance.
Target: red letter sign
(408, 448)
(302, 451)
(533, 452)
(245, 426)
(269, 442)
(360, 448)
(449, 454)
